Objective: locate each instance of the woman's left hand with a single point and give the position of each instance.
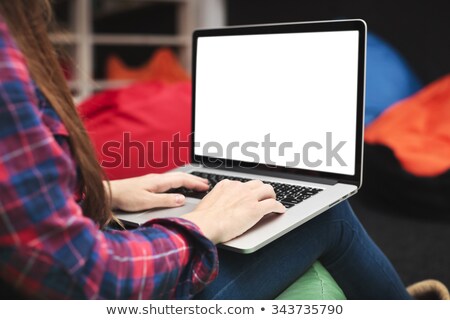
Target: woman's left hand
(146, 192)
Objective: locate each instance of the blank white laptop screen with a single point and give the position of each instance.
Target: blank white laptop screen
(287, 99)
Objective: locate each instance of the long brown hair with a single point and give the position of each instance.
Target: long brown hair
(28, 22)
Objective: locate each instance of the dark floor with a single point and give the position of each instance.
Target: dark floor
(418, 247)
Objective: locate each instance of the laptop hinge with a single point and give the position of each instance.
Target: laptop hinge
(283, 175)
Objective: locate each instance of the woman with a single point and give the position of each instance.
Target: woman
(54, 207)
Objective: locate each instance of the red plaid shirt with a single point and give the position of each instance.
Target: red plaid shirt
(48, 249)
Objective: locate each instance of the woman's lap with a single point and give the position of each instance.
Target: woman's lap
(335, 237)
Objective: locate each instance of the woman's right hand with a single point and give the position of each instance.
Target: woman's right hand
(232, 208)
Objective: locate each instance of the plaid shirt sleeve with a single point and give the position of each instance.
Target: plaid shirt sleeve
(48, 249)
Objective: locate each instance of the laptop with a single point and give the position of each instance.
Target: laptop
(282, 103)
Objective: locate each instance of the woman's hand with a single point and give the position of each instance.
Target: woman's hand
(146, 192)
(232, 208)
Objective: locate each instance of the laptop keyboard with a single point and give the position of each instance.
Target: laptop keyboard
(289, 195)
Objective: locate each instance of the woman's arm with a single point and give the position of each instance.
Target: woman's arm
(48, 248)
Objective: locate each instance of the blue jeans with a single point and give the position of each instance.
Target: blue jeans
(335, 237)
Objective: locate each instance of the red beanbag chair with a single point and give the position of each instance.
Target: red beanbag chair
(140, 129)
(143, 128)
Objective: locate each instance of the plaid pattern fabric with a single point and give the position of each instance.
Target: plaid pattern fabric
(48, 249)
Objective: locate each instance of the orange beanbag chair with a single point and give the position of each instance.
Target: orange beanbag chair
(407, 154)
(417, 130)
(162, 66)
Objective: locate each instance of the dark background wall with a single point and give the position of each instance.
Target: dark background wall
(418, 29)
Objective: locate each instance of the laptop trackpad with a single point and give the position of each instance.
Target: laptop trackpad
(143, 217)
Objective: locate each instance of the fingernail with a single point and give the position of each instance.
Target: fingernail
(179, 198)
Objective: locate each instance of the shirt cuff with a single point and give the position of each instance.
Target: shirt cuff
(203, 263)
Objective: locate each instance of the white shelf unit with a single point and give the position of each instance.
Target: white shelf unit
(83, 40)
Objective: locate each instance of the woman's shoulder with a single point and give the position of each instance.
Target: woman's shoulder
(6, 39)
(17, 83)
(3, 25)
(13, 67)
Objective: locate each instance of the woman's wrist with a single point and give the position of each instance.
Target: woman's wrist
(209, 230)
(108, 186)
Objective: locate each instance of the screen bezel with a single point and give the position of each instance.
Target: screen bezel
(319, 26)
